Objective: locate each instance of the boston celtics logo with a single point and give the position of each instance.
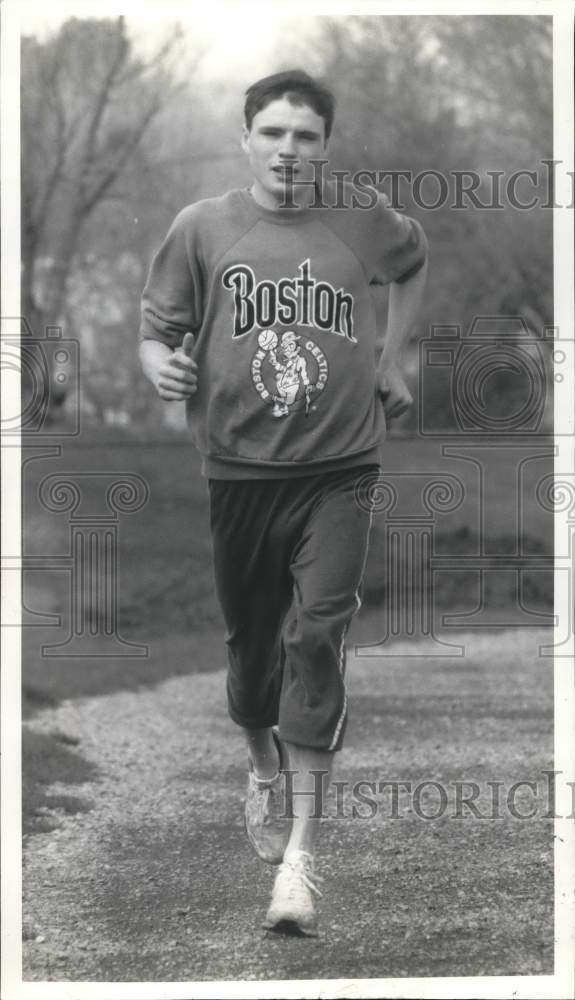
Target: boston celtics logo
(289, 373)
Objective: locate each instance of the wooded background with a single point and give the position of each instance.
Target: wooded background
(118, 136)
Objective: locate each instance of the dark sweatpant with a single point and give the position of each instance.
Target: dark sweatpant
(289, 557)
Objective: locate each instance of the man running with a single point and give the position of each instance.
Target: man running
(278, 263)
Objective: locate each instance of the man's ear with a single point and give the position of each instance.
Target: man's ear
(245, 138)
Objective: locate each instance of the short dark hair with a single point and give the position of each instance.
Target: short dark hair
(298, 88)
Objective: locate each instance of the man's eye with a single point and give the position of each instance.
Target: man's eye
(272, 132)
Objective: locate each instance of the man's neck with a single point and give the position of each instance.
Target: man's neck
(296, 198)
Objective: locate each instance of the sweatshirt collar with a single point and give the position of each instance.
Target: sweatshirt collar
(277, 216)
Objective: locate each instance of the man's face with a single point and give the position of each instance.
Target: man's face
(281, 142)
(290, 348)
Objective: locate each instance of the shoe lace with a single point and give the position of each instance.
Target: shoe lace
(263, 790)
(305, 874)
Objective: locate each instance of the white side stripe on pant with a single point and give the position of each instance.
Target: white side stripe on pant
(342, 650)
(341, 670)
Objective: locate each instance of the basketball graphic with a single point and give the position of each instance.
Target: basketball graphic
(268, 340)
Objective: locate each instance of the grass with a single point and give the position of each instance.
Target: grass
(48, 758)
(165, 578)
(165, 571)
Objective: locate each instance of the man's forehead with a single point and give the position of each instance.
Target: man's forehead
(282, 111)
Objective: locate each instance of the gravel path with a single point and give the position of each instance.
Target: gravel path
(156, 882)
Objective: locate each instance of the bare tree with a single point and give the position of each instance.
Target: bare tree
(88, 103)
(451, 94)
(503, 67)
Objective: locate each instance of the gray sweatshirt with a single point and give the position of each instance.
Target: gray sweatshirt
(281, 306)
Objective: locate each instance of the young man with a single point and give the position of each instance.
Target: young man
(258, 312)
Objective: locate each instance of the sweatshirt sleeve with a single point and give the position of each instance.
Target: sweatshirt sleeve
(400, 246)
(172, 298)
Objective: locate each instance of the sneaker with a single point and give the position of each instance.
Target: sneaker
(292, 909)
(267, 823)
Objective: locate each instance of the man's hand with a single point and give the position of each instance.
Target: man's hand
(395, 395)
(404, 302)
(177, 376)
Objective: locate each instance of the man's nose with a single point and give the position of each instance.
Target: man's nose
(287, 146)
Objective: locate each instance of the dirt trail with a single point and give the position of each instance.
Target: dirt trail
(156, 882)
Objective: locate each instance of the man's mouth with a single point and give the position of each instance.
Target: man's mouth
(286, 170)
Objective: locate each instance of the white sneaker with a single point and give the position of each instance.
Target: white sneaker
(292, 909)
(268, 824)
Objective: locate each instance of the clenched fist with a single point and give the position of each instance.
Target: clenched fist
(177, 376)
